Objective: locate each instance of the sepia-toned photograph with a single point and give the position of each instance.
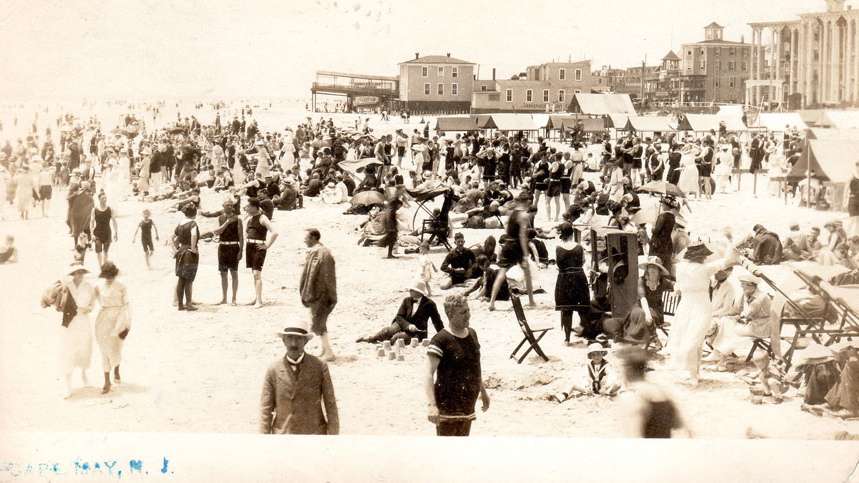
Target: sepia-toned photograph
(351, 228)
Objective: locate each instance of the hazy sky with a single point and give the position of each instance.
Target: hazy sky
(142, 48)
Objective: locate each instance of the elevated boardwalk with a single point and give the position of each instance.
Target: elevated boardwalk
(359, 89)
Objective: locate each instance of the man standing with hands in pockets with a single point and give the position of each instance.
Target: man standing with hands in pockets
(453, 380)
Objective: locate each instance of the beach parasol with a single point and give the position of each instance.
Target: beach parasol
(368, 198)
(662, 188)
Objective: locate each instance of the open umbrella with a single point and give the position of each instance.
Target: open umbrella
(662, 188)
(368, 198)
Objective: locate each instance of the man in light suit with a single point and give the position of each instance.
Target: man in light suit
(295, 390)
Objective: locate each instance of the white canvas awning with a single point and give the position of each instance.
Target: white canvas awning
(649, 124)
(602, 104)
(781, 121)
(514, 122)
(842, 119)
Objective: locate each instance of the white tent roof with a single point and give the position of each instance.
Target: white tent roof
(541, 120)
(779, 121)
(618, 120)
(842, 119)
(650, 123)
(602, 104)
(514, 122)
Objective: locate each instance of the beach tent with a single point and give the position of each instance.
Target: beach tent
(830, 160)
(456, 123)
(602, 104)
(569, 123)
(484, 121)
(618, 121)
(836, 134)
(813, 117)
(842, 119)
(541, 120)
(709, 122)
(779, 121)
(514, 122)
(649, 124)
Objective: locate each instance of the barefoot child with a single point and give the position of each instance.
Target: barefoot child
(427, 266)
(145, 227)
(597, 380)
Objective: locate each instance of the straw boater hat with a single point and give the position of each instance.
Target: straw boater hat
(644, 261)
(75, 268)
(595, 348)
(419, 287)
(295, 331)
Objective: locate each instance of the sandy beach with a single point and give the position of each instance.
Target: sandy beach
(202, 371)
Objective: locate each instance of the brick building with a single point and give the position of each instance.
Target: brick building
(436, 83)
(546, 87)
(714, 69)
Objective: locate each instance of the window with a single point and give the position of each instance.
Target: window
(454, 89)
(578, 91)
(731, 82)
(743, 66)
(578, 74)
(733, 51)
(482, 88)
(688, 52)
(424, 72)
(441, 71)
(703, 65)
(561, 95)
(509, 94)
(545, 95)
(562, 74)
(454, 72)
(716, 83)
(441, 89)
(427, 89)
(718, 51)
(732, 66)
(529, 95)
(718, 66)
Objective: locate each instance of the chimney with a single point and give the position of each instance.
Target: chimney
(743, 39)
(493, 73)
(417, 54)
(448, 54)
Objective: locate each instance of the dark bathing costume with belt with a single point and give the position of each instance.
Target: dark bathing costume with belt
(228, 247)
(254, 248)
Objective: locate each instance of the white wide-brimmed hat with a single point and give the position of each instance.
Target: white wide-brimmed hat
(419, 287)
(75, 268)
(594, 348)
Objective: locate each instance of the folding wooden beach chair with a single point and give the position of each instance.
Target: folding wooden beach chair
(670, 301)
(436, 232)
(532, 337)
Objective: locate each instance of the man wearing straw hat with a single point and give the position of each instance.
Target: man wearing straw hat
(297, 393)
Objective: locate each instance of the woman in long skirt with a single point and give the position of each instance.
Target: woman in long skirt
(694, 312)
(113, 322)
(76, 336)
(688, 182)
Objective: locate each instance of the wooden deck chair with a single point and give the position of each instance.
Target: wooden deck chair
(846, 324)
(532, 337)
(438, 233)
(670, 301)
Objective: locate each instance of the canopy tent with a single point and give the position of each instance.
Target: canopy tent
(456, 123)
(834, 134)
(540, 120)
(780, 121)
(569, 123)
(842, 119)
(649, 124)
(513, 122)
(484, 121)
(731, 111)
(618, 121)
(602, 104)
(813, 117)
(829, 160)
(709, 122)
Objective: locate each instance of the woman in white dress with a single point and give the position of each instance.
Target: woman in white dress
(76, 336)
(113, 322)
(693, 317)
(688, 182)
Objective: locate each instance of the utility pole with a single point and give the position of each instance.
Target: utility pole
(643, 63)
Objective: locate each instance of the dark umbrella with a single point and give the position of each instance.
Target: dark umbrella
(662, 188)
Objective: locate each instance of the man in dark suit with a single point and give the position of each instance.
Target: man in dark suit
(411, 319)
(295, 390)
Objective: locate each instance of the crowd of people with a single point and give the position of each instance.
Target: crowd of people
(485, 181)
